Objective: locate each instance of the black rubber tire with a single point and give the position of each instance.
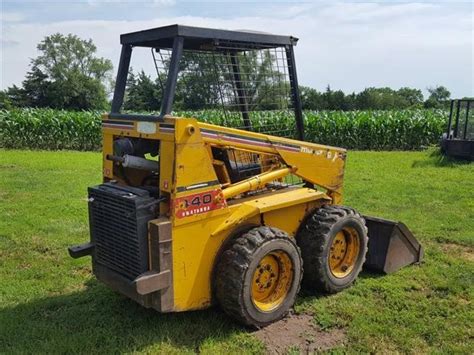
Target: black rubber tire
(315, 238)
(235, 269)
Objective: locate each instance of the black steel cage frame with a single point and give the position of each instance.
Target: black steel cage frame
(454, 112)
(458, 140)
(179, 38)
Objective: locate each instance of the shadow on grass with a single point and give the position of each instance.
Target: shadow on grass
(370, 274)
(437, 159)
(305, 295)
(96, 320)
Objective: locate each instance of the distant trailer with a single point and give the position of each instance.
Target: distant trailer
(458, 140)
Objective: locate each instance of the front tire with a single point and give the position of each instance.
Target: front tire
(259, 276)
(333, 243)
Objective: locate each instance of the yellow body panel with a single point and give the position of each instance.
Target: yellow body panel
(196, 244)
(205, 211)
(289, 219)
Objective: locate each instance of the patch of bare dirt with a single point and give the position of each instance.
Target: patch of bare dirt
(461, 251)
(299, 332)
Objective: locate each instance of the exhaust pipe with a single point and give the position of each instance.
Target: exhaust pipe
(391, 246)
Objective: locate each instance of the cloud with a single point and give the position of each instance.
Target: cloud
(6, 16)
(164, 2)
(347, 45)
(153, 2)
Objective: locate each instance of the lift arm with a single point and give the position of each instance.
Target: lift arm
(316, 164)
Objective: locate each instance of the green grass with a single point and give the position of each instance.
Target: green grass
(50, 303)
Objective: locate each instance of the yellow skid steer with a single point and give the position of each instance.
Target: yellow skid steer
(240, 213)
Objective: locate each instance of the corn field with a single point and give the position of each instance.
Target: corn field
(50, 129)
(361, 130)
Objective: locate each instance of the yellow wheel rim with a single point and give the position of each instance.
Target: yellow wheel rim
(344, 252)
(272, 280)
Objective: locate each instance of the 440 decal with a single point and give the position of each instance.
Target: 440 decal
(198, 203)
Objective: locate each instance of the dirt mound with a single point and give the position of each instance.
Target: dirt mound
(463, 251)
(299, 332)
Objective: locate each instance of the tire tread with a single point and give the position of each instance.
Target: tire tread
(314, 237)
(232, 266)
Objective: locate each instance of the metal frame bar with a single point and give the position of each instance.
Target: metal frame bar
(456, 123)
(121, 80)
(468, 104)
(134, 117)
(240, 90)
(295, 93)
(172, 79)
(448, 132)
(456, 104)
(148, 38)
(156, 67)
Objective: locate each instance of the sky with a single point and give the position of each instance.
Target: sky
(349, 45)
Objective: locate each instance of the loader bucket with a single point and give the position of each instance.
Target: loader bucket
(391, 245)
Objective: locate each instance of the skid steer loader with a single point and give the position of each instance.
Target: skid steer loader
(240, 213)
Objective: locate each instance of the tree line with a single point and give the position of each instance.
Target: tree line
(68, 74)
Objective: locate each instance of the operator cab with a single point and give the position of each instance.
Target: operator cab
(237, 79)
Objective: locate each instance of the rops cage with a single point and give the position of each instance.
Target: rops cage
(237, 79)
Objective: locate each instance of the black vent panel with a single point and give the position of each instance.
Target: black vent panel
(118, 219)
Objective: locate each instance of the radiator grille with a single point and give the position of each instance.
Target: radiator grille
(118, 222)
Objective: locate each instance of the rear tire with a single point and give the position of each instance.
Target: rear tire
(258, 277)
(333, 243)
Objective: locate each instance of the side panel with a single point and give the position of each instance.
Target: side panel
(195, 248)
(195, 213)
(289, 219)
(194, 254)
(197, 244)
(195, 185)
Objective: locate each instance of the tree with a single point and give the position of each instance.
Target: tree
(438, 98)
(36, 89)
(15, 97)
(265, 87)
(197, 86)
(311, 99)
(380, 99)
(337, 101)
(142, 93)
(411, 97)
(5, 102)
(207, 80)
(351, 103)
(66, 74)
(65, 55)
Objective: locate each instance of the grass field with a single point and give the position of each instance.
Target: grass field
(51, 303)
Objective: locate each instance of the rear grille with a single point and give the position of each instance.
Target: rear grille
(118, 222)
